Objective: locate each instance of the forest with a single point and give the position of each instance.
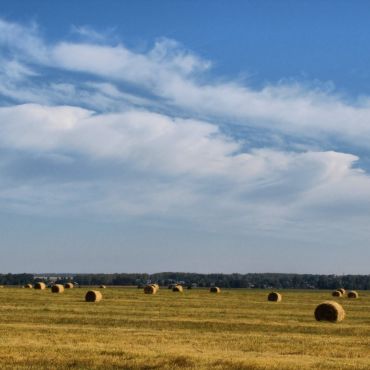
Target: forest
(249, 280)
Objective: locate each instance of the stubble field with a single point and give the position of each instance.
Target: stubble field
(236, 329)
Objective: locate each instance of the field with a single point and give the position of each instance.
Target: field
(236, 329)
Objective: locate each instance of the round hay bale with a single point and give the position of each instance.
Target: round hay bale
(329, 311)
(150, 289)
(40, 286)
(57, 288)
(93, 296)
(28, 286)
(177, 288)
(342, 290)
(214, 289)
(102, 286)
(68, 285)
(352, 294)
(337, 293)
(274, 297)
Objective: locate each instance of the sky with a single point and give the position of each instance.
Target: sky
(198, 136)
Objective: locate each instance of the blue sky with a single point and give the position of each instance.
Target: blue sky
(182, 135)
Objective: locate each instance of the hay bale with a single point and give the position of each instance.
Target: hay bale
(102, 286)
(28, 286)
(177, 288)
(156, 286)
(337, 293)
(274, 297)
(93, 296)
(57, 288)
(342, 290)
(352, 294)
(150, 289)
(329, 311)
(40, 286)
(215, 289)
(68, 285)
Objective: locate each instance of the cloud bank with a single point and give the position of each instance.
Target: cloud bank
(94, 128)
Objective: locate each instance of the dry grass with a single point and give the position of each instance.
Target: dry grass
(238, 329)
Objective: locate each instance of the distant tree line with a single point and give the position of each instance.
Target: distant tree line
(258, 280)
(15, 279)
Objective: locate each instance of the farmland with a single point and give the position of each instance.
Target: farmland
(236, 329)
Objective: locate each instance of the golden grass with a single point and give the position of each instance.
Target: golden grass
(238, 329)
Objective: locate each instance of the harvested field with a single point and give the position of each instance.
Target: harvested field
(238, 329)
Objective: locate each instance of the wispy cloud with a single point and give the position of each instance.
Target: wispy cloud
(174, 78)
(148, 133)
(87, 33)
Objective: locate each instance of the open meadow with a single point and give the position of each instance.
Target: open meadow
(236, 329)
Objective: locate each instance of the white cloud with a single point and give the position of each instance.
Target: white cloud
(165, 61)
(128, 150)
(15, 70)
(24, 41)
(90, 34)
(32, 127)
(175, 168)
(173, 78)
